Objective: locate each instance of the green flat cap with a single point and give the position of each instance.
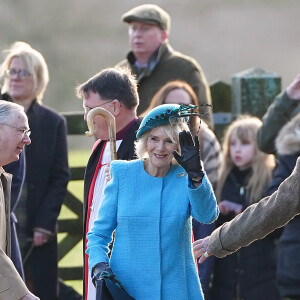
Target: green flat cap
(150, 14)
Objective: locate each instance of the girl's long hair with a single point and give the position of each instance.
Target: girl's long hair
(245, 128)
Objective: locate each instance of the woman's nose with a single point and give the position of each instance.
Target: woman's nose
(161, 145)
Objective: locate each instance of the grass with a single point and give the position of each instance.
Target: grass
(74, 257)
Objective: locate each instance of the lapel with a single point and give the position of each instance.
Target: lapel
(6, 185)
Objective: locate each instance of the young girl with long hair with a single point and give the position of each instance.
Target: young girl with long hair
(245, 173)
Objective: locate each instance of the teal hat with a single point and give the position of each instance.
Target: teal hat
(163, 115)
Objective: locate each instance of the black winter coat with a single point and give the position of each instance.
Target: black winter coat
(288, 267)
(249, 273)
(47, 176)
(17, 169)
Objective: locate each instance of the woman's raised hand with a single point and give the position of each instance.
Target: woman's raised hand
(190, 155)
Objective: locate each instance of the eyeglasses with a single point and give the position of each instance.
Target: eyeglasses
(23, 132)
(87, 109)
(22, 73)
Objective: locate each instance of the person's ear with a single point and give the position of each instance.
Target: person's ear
(164, 35)
(116, 107)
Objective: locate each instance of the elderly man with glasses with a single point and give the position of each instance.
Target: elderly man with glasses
(14, 136)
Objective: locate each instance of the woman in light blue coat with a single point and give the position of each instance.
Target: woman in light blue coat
(149, 203)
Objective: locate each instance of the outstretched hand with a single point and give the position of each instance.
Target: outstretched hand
(190, 155)
(200, 248)
(293, 90)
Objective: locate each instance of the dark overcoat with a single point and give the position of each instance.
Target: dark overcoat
(249, 273)
(17, 169)
(288, 273)
(47, 177)
(288, 150)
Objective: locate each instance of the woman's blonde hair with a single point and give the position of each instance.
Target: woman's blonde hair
(245, 128)
(171, 130)
(33, 61)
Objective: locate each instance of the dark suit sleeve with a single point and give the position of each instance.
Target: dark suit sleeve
(49, 210)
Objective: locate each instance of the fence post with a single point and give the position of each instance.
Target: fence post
(221, 100)
(253, 91)
(73, 227)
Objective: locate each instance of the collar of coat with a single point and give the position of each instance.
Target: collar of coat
(152, 62)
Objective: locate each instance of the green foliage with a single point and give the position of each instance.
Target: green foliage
(79, 158)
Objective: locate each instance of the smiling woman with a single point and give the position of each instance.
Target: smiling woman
(160, 149)
(156, 147)
(149, 203)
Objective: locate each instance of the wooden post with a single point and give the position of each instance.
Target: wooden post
(253, 91)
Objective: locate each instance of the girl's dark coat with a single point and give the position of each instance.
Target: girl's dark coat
(250, 273)
(288, 150)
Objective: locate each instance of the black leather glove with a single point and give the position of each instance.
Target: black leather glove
(190, 156)
(98, 269)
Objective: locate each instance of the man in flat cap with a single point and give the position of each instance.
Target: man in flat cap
(153, 60)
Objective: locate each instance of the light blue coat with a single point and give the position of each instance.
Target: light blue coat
(152, 253)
